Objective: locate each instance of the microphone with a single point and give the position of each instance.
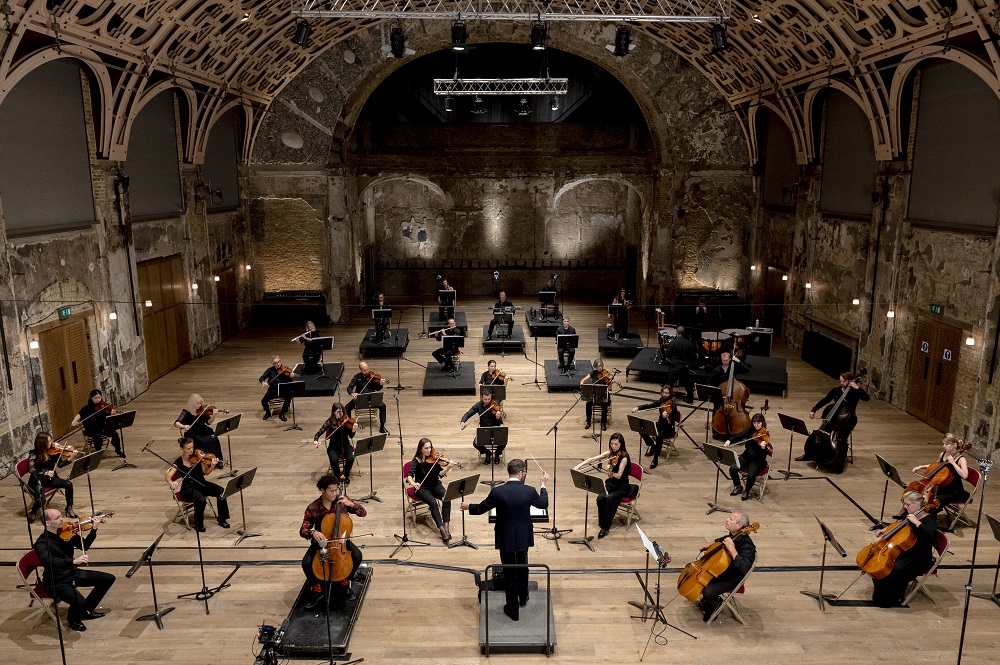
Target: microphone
(145, 448)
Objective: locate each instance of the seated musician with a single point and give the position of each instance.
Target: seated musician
(489, 416)
(272, 377)
(364, 383)
(195, 422)
(63, 576)
(753, 459)
(381, 325)
(92, 417)
(190, 480)
(618, 322)
(447, 356)
(337, 431)
(311, 353)
(42, 461)
(911, 563)
(856, 394)
(550, 287)
(311, 530)
(743, 552)
(566, 356)
(617, 484)
(593, 378)
(720, 373)
(680, 356)
(507, 319)
(446, 311)
(425, 477)
(491, 377)
(666, 424)
(953, 455)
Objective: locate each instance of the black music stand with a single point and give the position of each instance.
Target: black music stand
(794, 426)
(237, 485)
(719, 455)
(324, 344)
(382, 318)
(446, 297)
(995, 526)
(491, 438)
(453, 343)
(119, 421)
(293, 389)
(367, 446)
(84, 465)
(370, 401)
(651, 606)
(225, 426)
(546, 298)
(598, 394)
(459, 489)
(498, 391)
(827, 538)
(590, 484)
(890, 473)
(642, 426)
(566, 343)
(147, 558)
(706, 394)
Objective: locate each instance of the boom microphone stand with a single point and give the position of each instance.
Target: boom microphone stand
(395, 344)
(404, 540)
(534, 362)
(985, 464)
(555, 533)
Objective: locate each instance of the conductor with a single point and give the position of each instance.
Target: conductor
(513, 533)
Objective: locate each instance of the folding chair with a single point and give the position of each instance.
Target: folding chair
(729, 599)
(940, 548)
(26, 565)
(22, 470)
(628, 504)
(957, 512)
(413, 503)
(760, 484)
(184, 508)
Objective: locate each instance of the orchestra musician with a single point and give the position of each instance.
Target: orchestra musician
(550, 287)
(195, 421)
(189, 478)
(702, 317)
(63, 577)
(272, 377)
(592, 378)
(446, 312)
(618, 322)
(753, 459)
(312, 520)
(666, 423)
(381, 325)
(363, 383)
(911, 563)
(337, 431)
(953, 491)
(743, 552)
(617, 483)
(566, 356)
(92, 417)
(43, 459)
(447, 356)
(427, 468)
(508, 319)
(311, 353)
(720, 373)
(856, 394)
(680, 356)
(491, 377)
(489, 416)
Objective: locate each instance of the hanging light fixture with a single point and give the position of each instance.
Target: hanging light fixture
(478, 107)
(458, 36)
(449, 104)
(522, 107)
(970, 341)
(719, 40)
(539, 35)
(397, 42)
(623, 41)
(303, 32)
(554, 103)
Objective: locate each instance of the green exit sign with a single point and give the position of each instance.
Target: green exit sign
(65, 312)
(936, 309)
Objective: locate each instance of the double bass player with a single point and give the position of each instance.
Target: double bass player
(842, 420)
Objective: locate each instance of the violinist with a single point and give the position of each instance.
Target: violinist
(363, 383)
(310, 530)
(753, 459)
(311, 351)
(426, 470)
(680, 356)
(854, 395)
(195, 422)
(666, 423)
(565, 356)
(489, 416)
(92, 417)
(911, 563)
(446, 311)
(444, 355)
(337, 431)
(617, 483)
(188, 476)
(618, 322)
(598, 375)
(492, 376)
(63, 576)
(952, 455)
(508, 319)
(742, 551)
(42, 462)
(272, 377)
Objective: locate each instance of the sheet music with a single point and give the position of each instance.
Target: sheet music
(647, 542)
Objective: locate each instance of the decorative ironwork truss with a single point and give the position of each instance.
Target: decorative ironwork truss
(511, 86)
(648, 11)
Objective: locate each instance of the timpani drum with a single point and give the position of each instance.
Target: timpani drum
(666, 334)
(736, 339)
(712, 342)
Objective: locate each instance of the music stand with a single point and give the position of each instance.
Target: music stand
(890, 473)
(492, 438)
(323, 344)
(566, 343)
(84, 465)
(827, 538)
(650, 605)
(293, 389)
(995, 526)
(617, 311)
(726, 457)
(225, 426)
(446, 297)
(794, 426)
(147, 558)
(367, 446)
(381, 317)
(371, 401)
(590, 484)
(453, 343)
(596, 393)
(546, 298)
(706, 394)
(238, 484)
(119, 421)
(498, 392)
(459, 489)
(642, 426)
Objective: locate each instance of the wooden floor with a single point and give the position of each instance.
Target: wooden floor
(427, 614)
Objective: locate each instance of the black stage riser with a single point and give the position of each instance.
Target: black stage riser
(439, 382)
(304, 632)
(628, 346)
(434, 322)
(769, 376)
(514, 343)
(394, 345)
(316, 385)
(539, 328)
(565, 382)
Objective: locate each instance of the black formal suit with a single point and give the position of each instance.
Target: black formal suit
(513, 533)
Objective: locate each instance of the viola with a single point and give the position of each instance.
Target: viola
(878, 558)
(937, 474)
(666, 409)
(57, 449)
(70, 529)
(205, 459)
(713, 562)
(823, 444)
(332, 563)
(732, 415)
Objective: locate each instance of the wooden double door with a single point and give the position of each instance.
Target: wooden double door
(933, 372)
(66, 372)
(163, 291)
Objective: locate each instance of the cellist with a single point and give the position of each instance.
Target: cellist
(327, 502)
(743, 552)
(910, 563)
(953, 456)
(855, 395)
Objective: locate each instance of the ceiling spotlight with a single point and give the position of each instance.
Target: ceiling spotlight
(397, 42)
(246, 17)
(719, 41)
(302, 33)
(522, 107)
(554, 103)
(449, 105)
(458, 36)
(538, 37)
(478, 108)
(756, 18)
(623, 42)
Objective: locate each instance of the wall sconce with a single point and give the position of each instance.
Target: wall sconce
(194, 285)
(809, 285)
(790, 194)
(856, 301)
(970, 341)
(784, 278)
(149, 303)
(33, 345)
(890, 314)
(753, 267)
(216, 278)
(248, 266)
(113, 316)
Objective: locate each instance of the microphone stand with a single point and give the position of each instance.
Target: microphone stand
(399, 385)
(985, 464)
(555, 533)
(534, 362)
(12, 470)
(55, 597)
(404, 540)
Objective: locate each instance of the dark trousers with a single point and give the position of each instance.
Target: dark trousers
(198, 495)
(70, 594)
(752, 466)
(682, 374)
(446, 313)
(310, 361)
(272, 393)
(711, 596)
(349, 407)
(206, 441)
(889, 590)
(656, 444)
(310, 554)
(515, 579)
(430, 495)
(493, 325)
(607, 506)
(483, 449)
(566, 357)
(99, 440)
(337, 451)
(604, 411)
(445, 356)
(41, 483)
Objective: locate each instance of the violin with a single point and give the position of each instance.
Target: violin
(347, 422)
(437, 458)
(878, 558)
(70, 529)
(372, 376)
(713, 562)
(608, 378)
(495, 409)
(666, 409)
(56, 449)
(613, 461)
(209, 408)
(732, 415)
(332, 563)
(498, 375)
(937, 474)
(206, 459)
(824, 443)
(105, 407)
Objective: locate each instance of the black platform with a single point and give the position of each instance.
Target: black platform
(768, 375)
(560, 382)
(628, 346)
(434, 322)
(539, 328)
(393, 346)
(514, 343)
(304, 632)
(316, 385)
(439, 382)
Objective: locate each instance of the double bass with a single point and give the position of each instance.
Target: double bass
(713, 562)
(333, 563)
(823, 444)
(732, 415)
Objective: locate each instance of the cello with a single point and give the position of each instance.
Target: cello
(713, 562)
(823, 444)
(938, 474)
(877, 559)
(732, 415)
(333, 563)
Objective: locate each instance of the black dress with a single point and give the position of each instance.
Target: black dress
(39, 480)
(202, 433)
(196, 489)
(753, 459)
(92, 419)
(666, 427)
(338, 447)
(431, 489)
(954, 491)
(618, 489)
